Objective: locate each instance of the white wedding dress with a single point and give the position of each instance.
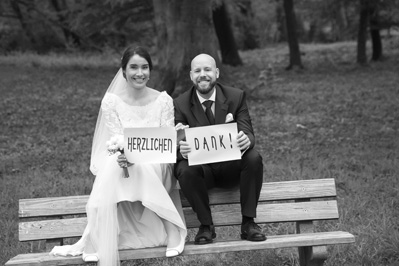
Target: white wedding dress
(143, 210)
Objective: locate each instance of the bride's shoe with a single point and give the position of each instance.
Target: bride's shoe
(175, 240)
(90, 257)
(171, 252)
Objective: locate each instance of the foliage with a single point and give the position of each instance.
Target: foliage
(81, 60)
(113, 24)
(92, 24)
(335, 120)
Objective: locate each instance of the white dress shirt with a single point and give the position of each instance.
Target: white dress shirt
(212, 98)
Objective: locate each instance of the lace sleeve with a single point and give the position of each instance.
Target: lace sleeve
(112, 121)
(168, 112)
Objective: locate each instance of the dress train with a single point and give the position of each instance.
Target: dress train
(143, 210)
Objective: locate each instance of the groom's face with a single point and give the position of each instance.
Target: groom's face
(204, 73)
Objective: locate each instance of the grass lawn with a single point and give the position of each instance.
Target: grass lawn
(332, 120)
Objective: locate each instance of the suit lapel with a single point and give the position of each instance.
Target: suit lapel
(197, 109)
(220, 106)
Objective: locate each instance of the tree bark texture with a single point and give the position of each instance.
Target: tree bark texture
(281, 25)
(184, 30)
(362, 33)
(245, 22)
(377, 44)
(295, 56)
(375, 35)
(24, 23)
(70, 37)
(225, 36)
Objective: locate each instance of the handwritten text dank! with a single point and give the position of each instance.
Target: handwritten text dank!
(212, 143)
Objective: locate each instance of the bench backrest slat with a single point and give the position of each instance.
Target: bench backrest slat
(273, 191)
(269, 213)
(52, 206)
(222, 215)
(51, 229)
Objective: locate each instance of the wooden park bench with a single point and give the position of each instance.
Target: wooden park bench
(301, 202)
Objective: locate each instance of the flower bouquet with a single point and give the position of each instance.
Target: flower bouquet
(114, 145)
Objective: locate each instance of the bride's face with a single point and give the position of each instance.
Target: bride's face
(137, 72)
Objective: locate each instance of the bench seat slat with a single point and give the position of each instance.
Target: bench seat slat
(279, 241)
(222, 215)
(271, 191)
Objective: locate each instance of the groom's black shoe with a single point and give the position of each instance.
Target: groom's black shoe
(205, 235)
(252, 232)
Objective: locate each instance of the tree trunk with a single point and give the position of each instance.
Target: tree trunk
(375, 36)
(184, 30)
(312, 30)
(70, 37)
(377, 44)
(342, 17)
(295, 56)
(362, 34)
(225, 36)
(24, 23)
(247, 26)
(341, 20)
(281, 25)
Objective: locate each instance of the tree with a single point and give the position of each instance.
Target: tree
(24, 23)
(244, 24)
(225, 35)
(184, 30)
(375, 34)
(112, 23)
(374, 15)
(60, 8)
(37, 24)
(383, 14)
(295, 55)
(362, 33)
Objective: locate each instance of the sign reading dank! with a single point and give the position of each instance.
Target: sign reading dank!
(212, 144)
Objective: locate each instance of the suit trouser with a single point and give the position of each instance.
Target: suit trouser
(197, 179)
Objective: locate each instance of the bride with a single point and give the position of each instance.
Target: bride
(143, 210)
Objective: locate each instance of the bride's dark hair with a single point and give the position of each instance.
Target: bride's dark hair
(131, 51)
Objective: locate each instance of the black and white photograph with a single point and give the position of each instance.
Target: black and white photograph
(199, 132)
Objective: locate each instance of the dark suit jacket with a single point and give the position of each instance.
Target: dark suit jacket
(189, 110)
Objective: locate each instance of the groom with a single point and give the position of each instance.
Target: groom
(208, 103)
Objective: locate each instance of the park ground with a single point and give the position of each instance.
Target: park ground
(333, 119)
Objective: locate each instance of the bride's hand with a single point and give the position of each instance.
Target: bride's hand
(123, 162)
(180, 131)
(180, 126)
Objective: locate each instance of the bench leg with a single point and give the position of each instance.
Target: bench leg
(312, 256)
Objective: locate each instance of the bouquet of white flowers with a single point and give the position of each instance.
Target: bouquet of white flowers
(114, 145)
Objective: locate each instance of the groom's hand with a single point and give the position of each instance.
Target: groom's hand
(185, 148)
(243, 141)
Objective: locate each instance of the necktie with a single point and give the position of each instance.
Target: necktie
(208, 111)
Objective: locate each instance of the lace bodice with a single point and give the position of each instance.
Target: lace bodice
(119, 115)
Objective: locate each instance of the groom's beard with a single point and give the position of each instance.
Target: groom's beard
(205, 90)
